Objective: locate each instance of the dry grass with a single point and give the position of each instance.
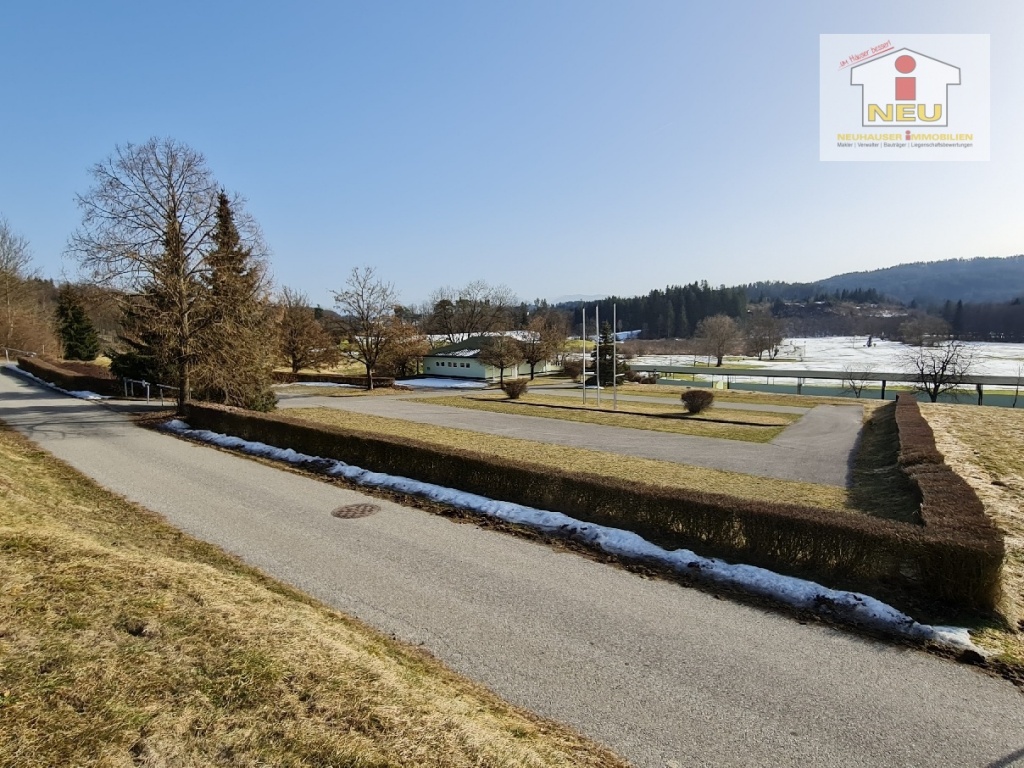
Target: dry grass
(529, 452)
(125, 642)
(749, 426)
(311, 391)
(344, 368)
(985, 446)
(879, 486)
(673, 392)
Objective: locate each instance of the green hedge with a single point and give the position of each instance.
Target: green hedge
(51, 371)
(842, 550)
(283, 377)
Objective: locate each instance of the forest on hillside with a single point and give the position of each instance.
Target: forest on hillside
(980, 280)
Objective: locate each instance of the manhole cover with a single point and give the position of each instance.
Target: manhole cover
(351, 511)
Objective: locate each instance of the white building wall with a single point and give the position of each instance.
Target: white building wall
(456, 368)
(470, 368)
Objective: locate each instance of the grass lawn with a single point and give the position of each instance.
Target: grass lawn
(529, 452)
(327, 391)
(673, 392)
(985, 446)
(751, 426)
(125, 642)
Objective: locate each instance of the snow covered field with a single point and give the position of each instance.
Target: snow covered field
(834, 353)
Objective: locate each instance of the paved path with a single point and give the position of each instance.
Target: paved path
(657, 672)
(816, 449)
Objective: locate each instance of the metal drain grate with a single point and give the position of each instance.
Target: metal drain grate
(352, 511)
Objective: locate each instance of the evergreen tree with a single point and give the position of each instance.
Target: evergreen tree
(77, 334)
(606, 357)
(237, 342)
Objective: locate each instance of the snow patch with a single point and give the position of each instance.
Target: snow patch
(851, 607)
(81, 394)
(441, 383)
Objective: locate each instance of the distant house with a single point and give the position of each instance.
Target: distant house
(461, 360)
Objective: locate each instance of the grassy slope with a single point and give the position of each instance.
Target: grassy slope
(985, 446)
(124, 641)
(751, 426)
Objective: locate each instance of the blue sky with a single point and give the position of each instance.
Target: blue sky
(558, 147)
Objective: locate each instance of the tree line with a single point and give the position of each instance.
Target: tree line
(674, 312)
(185, 265)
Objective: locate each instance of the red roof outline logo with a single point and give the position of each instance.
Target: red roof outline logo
(891, 81)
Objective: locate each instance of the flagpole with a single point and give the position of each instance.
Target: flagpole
(597, 354)
(584, 354)
(615, 358)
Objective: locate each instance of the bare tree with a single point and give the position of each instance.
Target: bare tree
(147, 227)
(545, 337)
(475, 308)
(924, 330)
(26, 321)
(716, 335)
(764, 334)
(940, 368)
(501, 352)
(855, 380)
(406, 347)
(303, 341)
(14, 262)
(367, 305)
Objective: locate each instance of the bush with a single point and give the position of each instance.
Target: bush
(697, 400)
(573, 369)
(515, 388)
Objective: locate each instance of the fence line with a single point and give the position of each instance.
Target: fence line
(129, 384)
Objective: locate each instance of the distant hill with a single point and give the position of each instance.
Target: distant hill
(577, 297)
(927, 282)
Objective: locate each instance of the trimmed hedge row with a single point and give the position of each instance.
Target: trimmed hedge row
(286, 377)
(951, 509)
(51, 371)
(848, 551)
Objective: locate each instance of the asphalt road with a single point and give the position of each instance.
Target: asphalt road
(662, 674)
(816, 449)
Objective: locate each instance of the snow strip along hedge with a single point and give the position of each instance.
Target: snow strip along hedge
(968, 548)
(281, 377)
(71, 381)
(845, 551)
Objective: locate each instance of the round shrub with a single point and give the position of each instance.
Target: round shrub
(515, 388)
(697, 400)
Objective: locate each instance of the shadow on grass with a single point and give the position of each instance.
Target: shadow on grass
(681, 416)
(877, 485)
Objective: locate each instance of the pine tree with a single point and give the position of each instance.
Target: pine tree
(77, 334)
(606, 356)
(237, 342)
